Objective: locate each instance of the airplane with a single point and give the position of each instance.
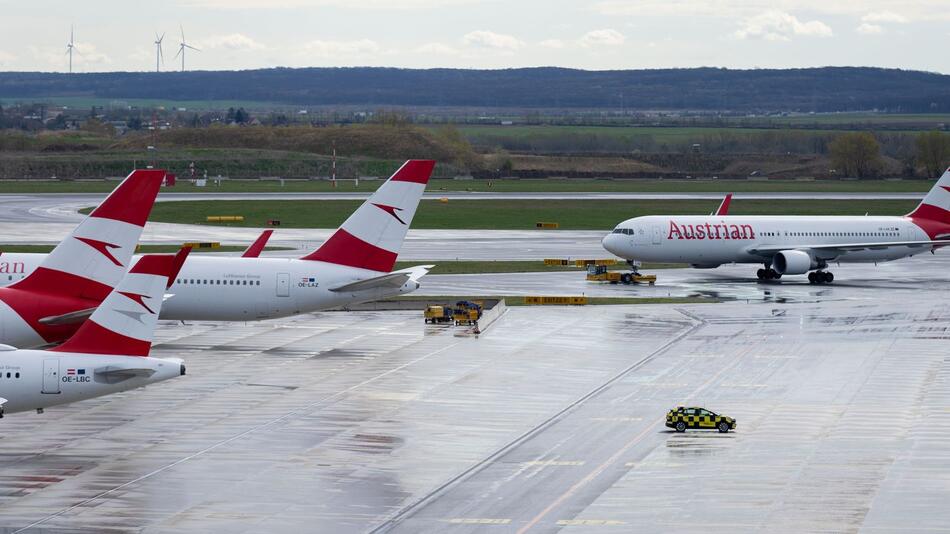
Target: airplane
(354, 265)
(40, 306)
(785, 245)
(109, 353)
(723, 208)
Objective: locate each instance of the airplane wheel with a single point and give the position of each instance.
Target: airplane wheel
(773, 274)
(811, 278)
(829, 278)
(761, 274)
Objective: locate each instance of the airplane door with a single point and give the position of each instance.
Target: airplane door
(657, 234)
(283, 284)
(51, 376)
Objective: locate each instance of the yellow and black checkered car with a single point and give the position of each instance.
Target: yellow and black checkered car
(682, 417)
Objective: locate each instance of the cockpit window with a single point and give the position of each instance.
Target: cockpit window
(625, 231)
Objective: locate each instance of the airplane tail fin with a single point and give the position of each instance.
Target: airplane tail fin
(724, 206)
(94, 257)
(255, 249)
(936, 205)
(372, 236)
(124, 324)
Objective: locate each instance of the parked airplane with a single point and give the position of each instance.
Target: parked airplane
(786, 245)
(354, 265)
(109, 353)
(46, 291)
(351, 267)
(255, 248)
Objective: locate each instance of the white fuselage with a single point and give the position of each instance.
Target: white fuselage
(710, 241)
(241, 289)
(33, 379)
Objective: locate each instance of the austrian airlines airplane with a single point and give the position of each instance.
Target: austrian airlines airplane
(48, 303)
(109, 353)
(783, 244)
(354, 265)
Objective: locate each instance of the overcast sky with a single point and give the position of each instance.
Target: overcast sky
(599, 34)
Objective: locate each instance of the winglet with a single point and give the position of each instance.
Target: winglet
(372, 236)
(257, 246)
(124, 324)
(724, 207)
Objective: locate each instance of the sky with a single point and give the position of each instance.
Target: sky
(119, 35)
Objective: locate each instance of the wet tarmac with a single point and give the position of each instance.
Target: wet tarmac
(550, 421)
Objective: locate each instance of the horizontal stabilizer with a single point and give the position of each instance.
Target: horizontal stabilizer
(2, 401)
(68, 318)
(393, 280)
(113, 374)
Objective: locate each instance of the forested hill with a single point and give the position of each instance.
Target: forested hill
(819, 89)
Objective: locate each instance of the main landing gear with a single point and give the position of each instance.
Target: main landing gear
(820, 277)
(768, 274)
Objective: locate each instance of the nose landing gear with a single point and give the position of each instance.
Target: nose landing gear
(820, 277)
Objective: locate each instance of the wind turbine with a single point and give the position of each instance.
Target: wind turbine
(159, 57)
(69, 49)
(181, 49)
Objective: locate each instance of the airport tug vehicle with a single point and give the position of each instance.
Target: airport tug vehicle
(599, 273)
(682, 418)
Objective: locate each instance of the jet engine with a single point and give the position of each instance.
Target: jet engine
(794, 262)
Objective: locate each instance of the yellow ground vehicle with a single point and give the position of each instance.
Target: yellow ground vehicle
(438, 314)
(681, 418)
(599, 273)
(467, 312)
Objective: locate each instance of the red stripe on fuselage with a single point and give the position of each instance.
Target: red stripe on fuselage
(46, 282)
(931, 219)
(343, 248)
(93, 338)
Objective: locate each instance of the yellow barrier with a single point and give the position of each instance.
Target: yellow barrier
(444, 200)
(224, 218)
(546, 225)
(556, 301)
(205, 244)
(556, 261)
(585, 263)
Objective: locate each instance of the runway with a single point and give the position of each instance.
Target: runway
(550, 421)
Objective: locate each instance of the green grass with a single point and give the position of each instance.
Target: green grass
(83, 102)
(143, 249)
(500, 186)
(661, 134)
(488, 267)
(506, 214)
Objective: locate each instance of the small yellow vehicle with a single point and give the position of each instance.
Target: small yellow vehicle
(681, 418)
(438, 314)
(599, 273)
(467, 312)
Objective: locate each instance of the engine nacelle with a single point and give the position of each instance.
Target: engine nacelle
(793, 262)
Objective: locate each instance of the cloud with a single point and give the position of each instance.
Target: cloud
(910, 9)
(869, 29)
(780, 26)
(6, 57)
(606, 37)
(885, 16)
(374, 5)
(489, 39)
(333, 49)
(437, 49)
(552, 43)
(232, 41)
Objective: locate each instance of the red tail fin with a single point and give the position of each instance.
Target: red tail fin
(257, 246)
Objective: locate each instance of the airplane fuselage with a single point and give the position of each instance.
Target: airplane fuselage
(33, 379)
(709, 241)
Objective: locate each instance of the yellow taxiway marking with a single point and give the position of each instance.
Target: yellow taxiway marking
(589, 522)
(479, 521)
(546, 463)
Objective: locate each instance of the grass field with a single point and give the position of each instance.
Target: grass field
(661, 134)
(506, 214)
(488, 267)
(508, 186)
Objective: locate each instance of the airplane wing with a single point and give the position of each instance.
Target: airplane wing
(254, 250)
(394, 279)
(826, 251)
(114, 375)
